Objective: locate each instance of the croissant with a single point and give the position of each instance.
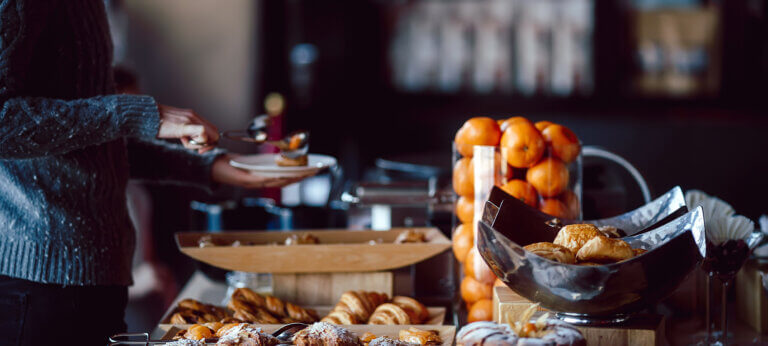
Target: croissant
(417, 312)
(389, 313)
(275, 306)
(300, 314)
(554, 252)
(602, 249)
(358, 304)
(325, 334)
(575, 236)
(340, 317)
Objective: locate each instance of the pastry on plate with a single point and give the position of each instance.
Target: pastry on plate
(389, 313)
(325, 334)
(246, 335)
(602, 249)
(410, 236)
(551, 251)
(387, 341)
(340, 317)
(417, 312)
(575, 236)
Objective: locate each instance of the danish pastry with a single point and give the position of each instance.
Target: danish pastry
(575, 236)
(602, 249)
(300, 314)
(385, 341)
(325, 334)
(419, 336)
(389, 313)
(246, 335)
(275, 306)
(554, 252)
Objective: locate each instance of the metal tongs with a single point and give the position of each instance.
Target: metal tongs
(294, 145)
(284, 334)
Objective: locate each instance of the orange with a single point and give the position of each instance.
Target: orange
(463, 240)
(555, 208)
(522, 144)
(473, 290)
(522, 191)
(564, 143)
(476, 267)
(477, 131)
(571, 201)
(549, 177)
(541, 125)
(464, 177)
(482, 310)
(465, 209)
(503, 124)
(501, 177)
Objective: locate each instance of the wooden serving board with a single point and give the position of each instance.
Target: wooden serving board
(640, 330)
(338, 251)
(436, 315)
(447, 333)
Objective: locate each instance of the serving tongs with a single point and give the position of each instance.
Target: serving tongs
(294, 145)
(504, 212)
(284, 334)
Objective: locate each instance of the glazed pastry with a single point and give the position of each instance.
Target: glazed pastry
(486, 333)
(304, 238)
(410, 236)
(275, 306)
(246, 335)
(249, 296)
(340, 317)
(419, 336)
(183, 317)
(389, 313)
(226, 327)
(547, 333)
(385, 341)
(214, 326)
(285, 161)
(575, 236)
(550, 251)
(602, 249)
(367, 338)
(198, 332)
(415, 310)
(325, 334)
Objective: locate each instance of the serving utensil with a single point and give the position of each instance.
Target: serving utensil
(284, 334)
(600, 294)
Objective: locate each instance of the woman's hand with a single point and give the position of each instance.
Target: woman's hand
(224, 173)
(184, 124)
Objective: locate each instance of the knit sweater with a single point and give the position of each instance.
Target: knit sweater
(68, 146)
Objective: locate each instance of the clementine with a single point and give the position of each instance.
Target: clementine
(571, 201)
(541, 125)
(473, 290)
(482, 310)
(522, 191)
(564, 143)
(522, 144)
(465, 209)
(503, 124)
(463, 240)
(555, 208)
(549, 177)
(476, 267)
(477, 131)
(464, 177)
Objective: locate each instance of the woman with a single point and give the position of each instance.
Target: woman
(68, 145)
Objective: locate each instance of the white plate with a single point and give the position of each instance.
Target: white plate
(264, 165)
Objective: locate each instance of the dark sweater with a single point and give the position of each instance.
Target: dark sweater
(67, 145)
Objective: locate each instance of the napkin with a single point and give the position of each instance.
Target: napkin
(719, 220)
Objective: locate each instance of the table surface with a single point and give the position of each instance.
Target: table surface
(201, 288)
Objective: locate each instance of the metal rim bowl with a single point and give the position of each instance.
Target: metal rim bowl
(605, 293)
(504, 212)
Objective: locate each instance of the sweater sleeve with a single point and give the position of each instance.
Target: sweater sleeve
(38, 126)
(161, 161)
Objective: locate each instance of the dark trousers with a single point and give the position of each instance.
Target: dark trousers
(32, 313)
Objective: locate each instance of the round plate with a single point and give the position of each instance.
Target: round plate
(264, 165)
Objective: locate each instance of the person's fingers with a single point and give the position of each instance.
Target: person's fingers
(189, 145)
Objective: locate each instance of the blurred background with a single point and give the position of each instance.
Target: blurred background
(677, 87)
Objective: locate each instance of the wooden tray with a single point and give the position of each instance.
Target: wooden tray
(447, 333)
(338, 251)
(436, 315)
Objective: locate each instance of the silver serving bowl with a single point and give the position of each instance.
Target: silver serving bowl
(543, 227)
(597, 294)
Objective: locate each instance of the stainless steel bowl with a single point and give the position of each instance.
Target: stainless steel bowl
(597, 294)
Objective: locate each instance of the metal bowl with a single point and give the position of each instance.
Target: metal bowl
(543, 227)
(600, 294)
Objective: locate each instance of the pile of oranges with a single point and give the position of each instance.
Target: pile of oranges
(532, 166)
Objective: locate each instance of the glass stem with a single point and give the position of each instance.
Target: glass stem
(724, 311)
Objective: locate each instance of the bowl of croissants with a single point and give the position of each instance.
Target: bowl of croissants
(588, 273)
